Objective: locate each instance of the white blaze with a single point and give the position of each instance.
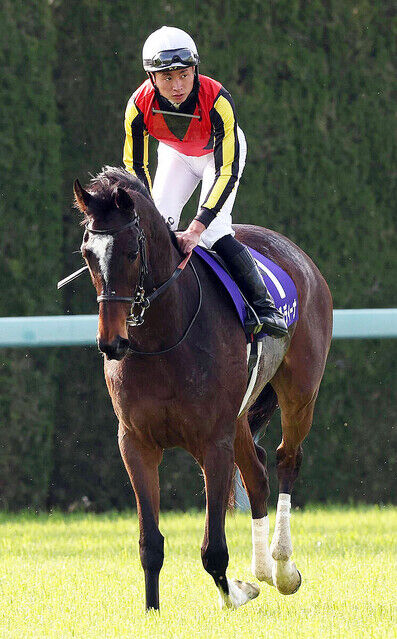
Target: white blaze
(102, 247)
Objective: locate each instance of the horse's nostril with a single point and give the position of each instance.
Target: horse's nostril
(124, 343)
(114, 350)
(102, 345)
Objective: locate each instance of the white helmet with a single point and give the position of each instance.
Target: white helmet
(169, 48)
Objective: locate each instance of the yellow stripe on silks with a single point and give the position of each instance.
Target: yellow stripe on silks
(130, 114)
(146, 158)
(128, 156)
(224, 109)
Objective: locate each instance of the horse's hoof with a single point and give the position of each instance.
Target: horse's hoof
(251, 590)
(262, 574)
(286, 577)
(240, 592)
(299, 582)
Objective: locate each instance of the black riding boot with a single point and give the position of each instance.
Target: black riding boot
(244, 270)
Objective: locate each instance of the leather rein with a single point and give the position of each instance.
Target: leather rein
(139, 298)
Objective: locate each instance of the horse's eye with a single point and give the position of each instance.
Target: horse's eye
(132, 255)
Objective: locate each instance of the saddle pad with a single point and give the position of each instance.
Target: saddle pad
(280, 286)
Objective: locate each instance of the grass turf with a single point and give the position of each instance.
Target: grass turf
(79, 576)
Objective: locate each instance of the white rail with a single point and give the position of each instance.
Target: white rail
(80, 330)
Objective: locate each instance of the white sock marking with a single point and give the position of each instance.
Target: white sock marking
(262, 562)
(281, 546)
(285, 574)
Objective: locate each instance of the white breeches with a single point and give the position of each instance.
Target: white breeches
(177, 177)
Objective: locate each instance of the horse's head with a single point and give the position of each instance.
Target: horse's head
(110, 247)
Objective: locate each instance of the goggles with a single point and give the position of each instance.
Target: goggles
(167, 59)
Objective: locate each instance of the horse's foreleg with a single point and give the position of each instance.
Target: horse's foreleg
(251, 460)
(218, 471)
(296, 423)
(142, 466)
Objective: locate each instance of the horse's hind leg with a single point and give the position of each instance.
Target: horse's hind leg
(218, 471)
(142, 463)
(296, 419)
(251, 460)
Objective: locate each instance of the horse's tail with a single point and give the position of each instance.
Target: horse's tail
(261, 411)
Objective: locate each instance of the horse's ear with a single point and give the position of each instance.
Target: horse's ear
(82, 197)
(124, 200)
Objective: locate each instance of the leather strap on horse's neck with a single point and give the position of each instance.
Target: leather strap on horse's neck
(143, 300)
(174, 276)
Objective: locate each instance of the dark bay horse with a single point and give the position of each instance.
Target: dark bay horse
(176, 373)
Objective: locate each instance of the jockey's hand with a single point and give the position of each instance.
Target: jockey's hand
(188, 239)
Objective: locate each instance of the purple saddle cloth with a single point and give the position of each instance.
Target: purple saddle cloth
(280, 286)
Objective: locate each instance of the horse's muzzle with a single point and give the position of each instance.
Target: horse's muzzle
(116, 349)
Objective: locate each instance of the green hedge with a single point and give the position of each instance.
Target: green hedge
(30, 243)
(312, 84)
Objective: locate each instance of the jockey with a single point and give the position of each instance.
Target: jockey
(193, 117)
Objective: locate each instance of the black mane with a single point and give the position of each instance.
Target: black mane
(103, 185)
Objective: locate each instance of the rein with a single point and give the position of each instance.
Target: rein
(185, 334)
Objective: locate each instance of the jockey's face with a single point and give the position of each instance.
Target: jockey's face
(175, 85)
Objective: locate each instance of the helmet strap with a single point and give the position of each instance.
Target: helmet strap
(152, 78)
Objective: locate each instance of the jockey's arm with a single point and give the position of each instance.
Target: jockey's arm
(226, 156)
(136, 145)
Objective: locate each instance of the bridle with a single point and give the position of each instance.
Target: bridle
(108, 295)
(139, 299)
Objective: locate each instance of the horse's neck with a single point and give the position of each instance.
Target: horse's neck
(163, 257)
(169, 312)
